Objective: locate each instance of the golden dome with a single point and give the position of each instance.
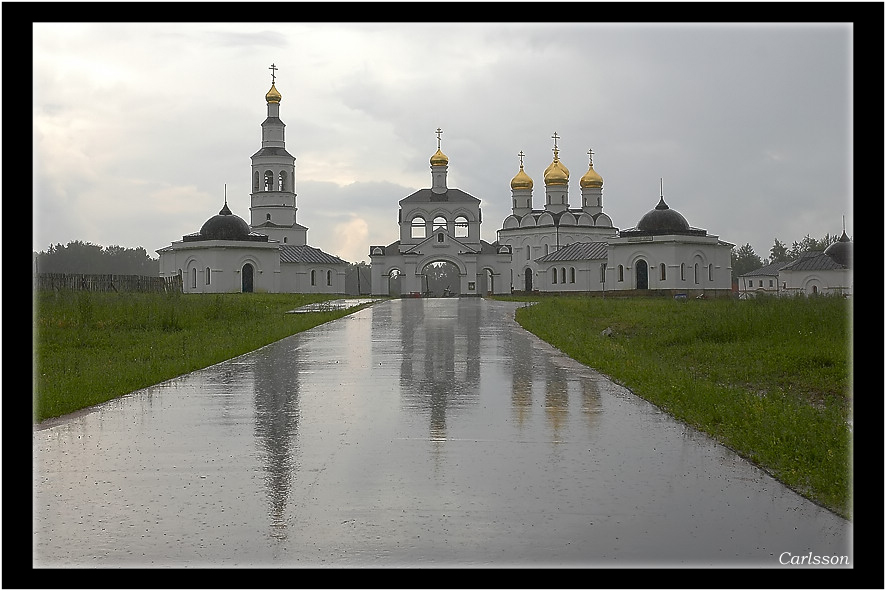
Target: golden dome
(556, 173)
(273, 95)
(521, 180)
(439, 159)
(591, 178)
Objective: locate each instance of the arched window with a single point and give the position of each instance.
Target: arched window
(285, 240)
(547, 250)
(663, 271)
(418, 227)
(621, 273)
(461, 227)
(563, 275)
(269, 180)
(571, 274)
(439, 223)
(194, 278)
(313, 277)
(602, 272)
(268, 217)
(255, 184)
(682, 272)
(528, 252)
(328, 277)
(696, 273)
(207, 275)
(554, 275)
(710, 272)
(440, 237)
(814, 290)
(281, 181)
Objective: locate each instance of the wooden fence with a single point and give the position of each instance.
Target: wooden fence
(116, 283)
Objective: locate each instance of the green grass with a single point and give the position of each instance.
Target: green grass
(769, 378)
(92, 347)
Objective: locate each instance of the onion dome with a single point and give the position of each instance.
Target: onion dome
(439, 159)
(556, 173)
(521, 180)
(841, 251)
(225, 226)
(273, 95)
(663, 220)
(591, 179)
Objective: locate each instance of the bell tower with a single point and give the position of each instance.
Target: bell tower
(273, 194)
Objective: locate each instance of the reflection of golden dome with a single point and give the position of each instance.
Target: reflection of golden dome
(521, 180)
(273, 96)
(439, 159)
(591, 178)
(556, 173)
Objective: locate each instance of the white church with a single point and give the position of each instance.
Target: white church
(557, 248)
(269, 254)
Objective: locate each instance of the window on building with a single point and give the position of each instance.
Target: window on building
(710, 272)
(328, 277)
(313, 277)
(461, 227)
(682, 272)
(695, 275)
(439, 223)
(563, 275)
(255, 184)
(528, 252)
(194, 278)
(281, 182)
(571, 274)
(269, 180)
(547, 250)
(440, 237)
(268, 217)
(770, 283)
(663, 271)
(418, 227)
(554, 275)
(285, 240)
(621, 273)
(207, 275)
(603, 273)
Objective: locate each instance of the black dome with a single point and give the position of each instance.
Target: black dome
(841, 251)
(225, 226)
(663, 220)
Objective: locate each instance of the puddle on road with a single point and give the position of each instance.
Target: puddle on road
(332, 305)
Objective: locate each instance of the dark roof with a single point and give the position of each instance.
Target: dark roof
(813, 261)
(273, 152)
(663, 221)
(270, 224)
(225, 226)
(577, 251)
(450, 195)
(770, 269)
(841, 251)
(307, 254)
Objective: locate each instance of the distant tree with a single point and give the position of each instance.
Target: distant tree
(745, 260)
(88, 258)
(809, 244)
(778, 253)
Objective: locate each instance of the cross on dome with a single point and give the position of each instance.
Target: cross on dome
(521, 154)
(590, 157)
(439, 131)
(273, 70)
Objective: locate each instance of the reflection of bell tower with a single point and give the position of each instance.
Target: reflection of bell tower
(273, 179)
(276, 426)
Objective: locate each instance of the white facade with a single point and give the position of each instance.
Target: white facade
(270, 253)
(440, 224)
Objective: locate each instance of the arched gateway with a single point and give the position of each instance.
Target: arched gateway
(440, 224)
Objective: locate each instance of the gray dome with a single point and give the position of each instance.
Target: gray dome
(841, 251)
(663, 220)
(225, 226)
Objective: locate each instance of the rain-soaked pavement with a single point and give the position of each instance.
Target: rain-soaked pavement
(413, 433)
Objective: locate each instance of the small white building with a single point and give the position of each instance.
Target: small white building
(269, 254)
(761, 281)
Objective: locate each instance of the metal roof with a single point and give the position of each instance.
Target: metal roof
(577, 251)
(771, 269)
(307, 254)
(450, 195)
(813, 261)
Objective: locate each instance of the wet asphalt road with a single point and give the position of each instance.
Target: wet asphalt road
(413, 433)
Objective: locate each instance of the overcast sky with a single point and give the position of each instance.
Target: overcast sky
(139, 129)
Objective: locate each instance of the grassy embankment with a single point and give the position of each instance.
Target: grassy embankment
(92, 347)
(769, 378)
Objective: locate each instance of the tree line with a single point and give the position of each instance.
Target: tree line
(745, 260)
(92, 259)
